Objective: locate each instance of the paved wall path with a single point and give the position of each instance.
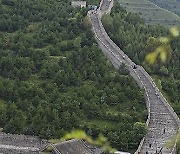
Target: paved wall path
(16, 144)
(163, 123)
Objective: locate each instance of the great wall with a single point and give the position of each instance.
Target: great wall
(162, 122)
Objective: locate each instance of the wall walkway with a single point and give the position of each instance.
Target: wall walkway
(163, 123)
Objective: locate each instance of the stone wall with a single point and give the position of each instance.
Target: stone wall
(129, 64)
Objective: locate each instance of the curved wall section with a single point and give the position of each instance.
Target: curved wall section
(163, 123)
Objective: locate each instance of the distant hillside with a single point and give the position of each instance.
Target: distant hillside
(151, 12)
(171, 5)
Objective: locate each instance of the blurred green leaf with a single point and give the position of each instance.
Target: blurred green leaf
(159, 50)
(164, 39)
(163, 56)
(174, 31)
(151, 58)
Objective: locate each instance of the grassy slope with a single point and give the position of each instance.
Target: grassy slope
(171, 5)
(151, 12)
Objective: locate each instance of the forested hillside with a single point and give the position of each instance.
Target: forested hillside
(130, 33)
(53, 77)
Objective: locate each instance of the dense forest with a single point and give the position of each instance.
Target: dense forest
(131, 34)
(53, 77)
